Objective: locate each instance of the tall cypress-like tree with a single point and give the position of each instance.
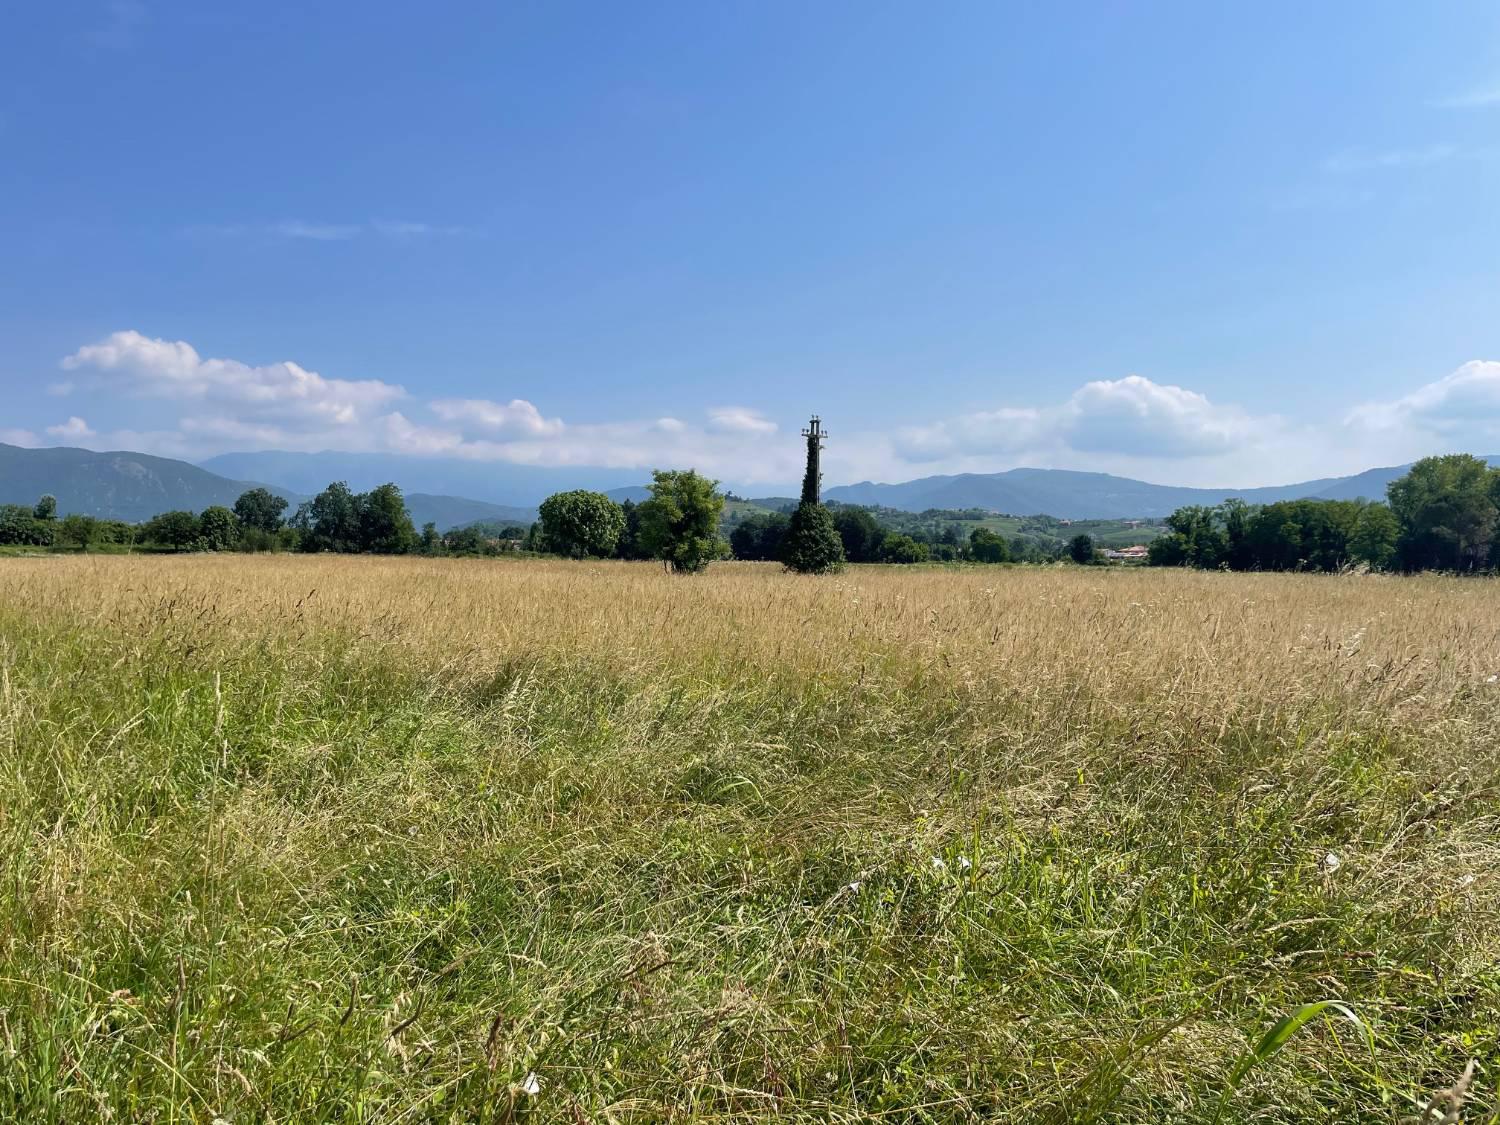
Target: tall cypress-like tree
(812, 544)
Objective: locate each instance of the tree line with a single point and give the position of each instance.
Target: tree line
(762, 537)
(336, 519)
(1444, 514)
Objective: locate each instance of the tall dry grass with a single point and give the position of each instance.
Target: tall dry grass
(362, 839)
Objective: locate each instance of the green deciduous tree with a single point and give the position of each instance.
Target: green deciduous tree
(1376, 535)
(759, 537)
(178, 530)
(1081, 548)
(1297, 535)
(680, 523)
(987, 547)
(219, 529)
(581, 524)
(19, 525)
(385, 525)
(260, 508)
(629, 544)
(859, 532)
(898, 548)
(46, 508)
(1446, 507)
(1194, 538)
(330, 520)
(77, 530)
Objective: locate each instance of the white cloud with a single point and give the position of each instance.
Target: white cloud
(74, 427)
(1360, 160)
(1133, 417)
(1007, 430)
(286, 394)
(401, 435)
(1137, 417)
(517, 417)
(16, 436)
(738, 420)
(1132, 425)
(1468, 400)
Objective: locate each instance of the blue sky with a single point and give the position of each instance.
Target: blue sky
(1188, 242)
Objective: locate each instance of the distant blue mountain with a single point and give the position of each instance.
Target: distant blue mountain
(116, 485)
(135, 486)
(516, 486)
(1080, 496)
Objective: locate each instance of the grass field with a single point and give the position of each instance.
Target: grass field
(348, 839)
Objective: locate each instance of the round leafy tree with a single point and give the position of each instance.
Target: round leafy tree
(680, 523)
(581, 523)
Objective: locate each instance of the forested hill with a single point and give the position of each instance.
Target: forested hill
(117, 485)
(1086, 496)
(135, 486)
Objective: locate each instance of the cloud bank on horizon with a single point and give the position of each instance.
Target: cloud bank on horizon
(1130, 425)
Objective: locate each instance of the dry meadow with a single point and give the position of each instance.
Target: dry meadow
(307, 839)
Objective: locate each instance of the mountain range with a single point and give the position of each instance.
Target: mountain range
(1081, 496)
(136, 486)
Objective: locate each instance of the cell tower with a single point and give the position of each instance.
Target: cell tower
(812, 482)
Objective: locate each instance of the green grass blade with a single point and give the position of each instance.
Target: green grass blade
(1279, 1035)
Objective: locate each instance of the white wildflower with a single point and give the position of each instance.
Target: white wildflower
(853, 888)
(938, 864)
(1466, 881)
(1332, 862)
(532, 1086)
(963, 863)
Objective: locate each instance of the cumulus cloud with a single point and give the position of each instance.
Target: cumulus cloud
(284, 394)
(224, 404)
(1467, 400)
(1137, 417)
(739, 420)
(15, 436)
(1132, 417)
(74, 427)
(1130, 425)
(517, 417)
